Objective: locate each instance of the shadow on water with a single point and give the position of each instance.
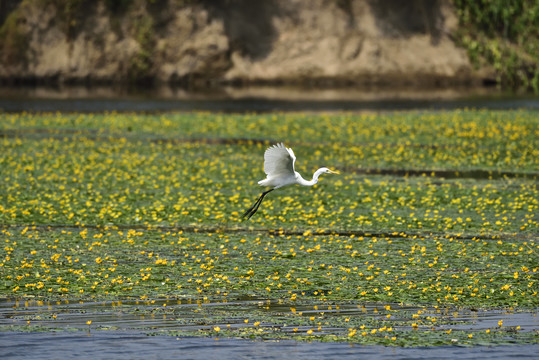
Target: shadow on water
(260, 99)
(446, 174)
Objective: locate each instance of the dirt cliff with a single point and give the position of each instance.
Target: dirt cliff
(197, 42)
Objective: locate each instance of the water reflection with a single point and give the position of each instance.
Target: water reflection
(255, 99)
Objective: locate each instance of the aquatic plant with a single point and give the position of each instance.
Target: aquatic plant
(430, 211)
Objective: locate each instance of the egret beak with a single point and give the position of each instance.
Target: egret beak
(334, 172)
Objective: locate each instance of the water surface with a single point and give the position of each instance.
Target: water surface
(246, 100)
(131, 345)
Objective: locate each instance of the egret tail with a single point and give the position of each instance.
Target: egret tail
(253, 209)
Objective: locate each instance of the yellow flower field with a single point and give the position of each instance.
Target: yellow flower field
(431, 208)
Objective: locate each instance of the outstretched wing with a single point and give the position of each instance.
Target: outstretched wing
(279, 160)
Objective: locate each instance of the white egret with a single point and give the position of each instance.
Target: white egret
(279, 167)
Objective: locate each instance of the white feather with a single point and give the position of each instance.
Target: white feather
(279, 160)
(279, 168)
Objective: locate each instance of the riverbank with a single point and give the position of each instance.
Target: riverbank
(200, 44)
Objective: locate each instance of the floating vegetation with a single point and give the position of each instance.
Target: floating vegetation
(107, 262)
(252, 318)
(130, 207)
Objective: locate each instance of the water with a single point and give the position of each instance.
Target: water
(165, 314)
(231, 100)
(131, 345)
(122, 330)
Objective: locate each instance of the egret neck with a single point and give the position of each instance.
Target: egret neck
(316, 175)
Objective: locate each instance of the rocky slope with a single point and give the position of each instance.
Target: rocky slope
(308, 42)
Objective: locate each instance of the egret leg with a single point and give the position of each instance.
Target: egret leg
(253, 209)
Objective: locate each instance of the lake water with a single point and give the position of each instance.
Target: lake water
(231, 100)
(60, 340)
(131, 345)
(119, 332)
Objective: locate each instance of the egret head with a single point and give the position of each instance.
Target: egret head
(328, 171)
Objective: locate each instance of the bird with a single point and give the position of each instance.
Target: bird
(279, 164)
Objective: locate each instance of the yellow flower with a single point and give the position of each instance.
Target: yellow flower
(89, 322)
(500, 323)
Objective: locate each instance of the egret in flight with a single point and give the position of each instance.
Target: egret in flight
(279, 168)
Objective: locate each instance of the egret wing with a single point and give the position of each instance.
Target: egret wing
(279, 160)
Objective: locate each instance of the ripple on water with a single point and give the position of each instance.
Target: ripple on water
(132, 345)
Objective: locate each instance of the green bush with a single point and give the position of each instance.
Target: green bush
(140, 66)
(503, 35)
(13, 42)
